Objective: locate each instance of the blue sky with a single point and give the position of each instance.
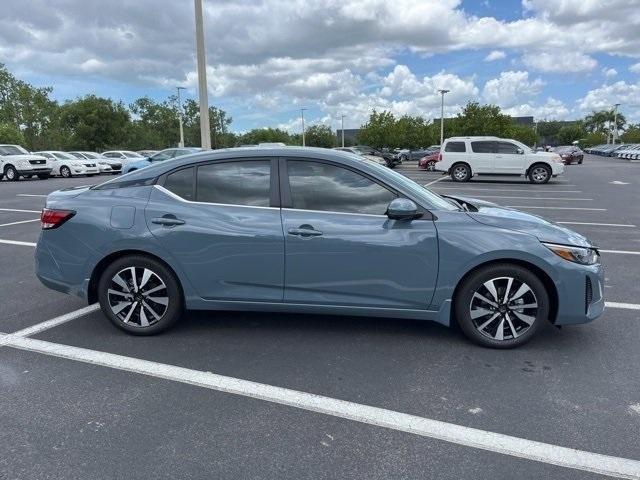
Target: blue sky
(553, 59)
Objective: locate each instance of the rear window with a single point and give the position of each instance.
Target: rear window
(483, 147)
(455, 147)
(181, 183)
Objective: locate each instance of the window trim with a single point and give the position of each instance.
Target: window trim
(495, 146)
(464, 145)
(287, 202)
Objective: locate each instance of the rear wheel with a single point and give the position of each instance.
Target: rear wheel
(540, 173)
(65, 171)
(501, 306)
(11, 173)
(140, 295)
(460, 172)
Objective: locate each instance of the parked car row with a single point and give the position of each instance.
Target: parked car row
(629, 152)
(16, 162)
(378, 156)
(417, 154)
(606, 149)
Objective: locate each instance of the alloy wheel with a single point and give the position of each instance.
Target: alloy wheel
(460, 172)
(431, 166)
(503, 308)
(539, 174)
(138, 297)
(65, 172)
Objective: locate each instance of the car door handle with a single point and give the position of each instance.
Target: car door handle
(304, 232)
(167, 221)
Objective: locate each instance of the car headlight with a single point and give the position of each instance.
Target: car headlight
(581, 255)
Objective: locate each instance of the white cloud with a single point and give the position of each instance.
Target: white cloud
(511, 88)
(604, 97)
(609, 72)
(559, 61)
(495, 55)
(552, 109)
(635, 68)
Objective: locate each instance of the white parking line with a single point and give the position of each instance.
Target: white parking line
(449, 432)
(29, 195)
(17, 242)
(558, 208)
(19, 210)
(526, 190)
(599, 224)
(538, 198)
(623, 252)
(17, 223)
(54, 322)
(626, 306)
(435, 181)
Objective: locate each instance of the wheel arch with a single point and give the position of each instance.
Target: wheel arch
(463, 162)
(546, 280)
(538, 162)
(92, 290)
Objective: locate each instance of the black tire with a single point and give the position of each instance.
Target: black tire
(65, 172)
(166, 315)
(431, 166)
(43, 176)
(497, 275)
(11, 173)
(460, 172)
(580, 161)
(539, 173)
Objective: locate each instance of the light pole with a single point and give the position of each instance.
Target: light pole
(302, 118)
(181, 144)
(442, 92)
(342, 125)
(615, 122)
(205, 128)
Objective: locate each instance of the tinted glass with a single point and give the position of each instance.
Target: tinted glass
(235, 183)
(181, 183)
(320, 186)
(483, 147)
(506, 147)
(455, 147)
(164, 155)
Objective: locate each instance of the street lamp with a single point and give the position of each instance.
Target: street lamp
(205, 128)
(342, 124)
(442, 92)
(302, 118)
(181, 144)
(615, 122)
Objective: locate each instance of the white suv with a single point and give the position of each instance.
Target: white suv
(464, 157)
(16, 162)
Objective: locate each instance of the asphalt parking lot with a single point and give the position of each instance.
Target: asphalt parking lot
(67, 410)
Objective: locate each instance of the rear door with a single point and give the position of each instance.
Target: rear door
(508, 160)
(221, 222)
(342, 249)
(482, 156)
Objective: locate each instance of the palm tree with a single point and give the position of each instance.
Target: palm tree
(602, 121)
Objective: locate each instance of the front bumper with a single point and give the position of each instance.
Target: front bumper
(34, 170)
(78, 170)
(580, 294)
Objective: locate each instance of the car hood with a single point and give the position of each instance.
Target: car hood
(494, 215)
(25, 156)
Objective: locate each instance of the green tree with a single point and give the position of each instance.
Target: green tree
(476, 119)
(631, 134)
(267, 135)
(600, 121)
(591, 139)
(570, 133)
(522, 133)
(379, 131)
(95, 123)
(156, 124)
(319, 136)
(10, 134)
(219, 122)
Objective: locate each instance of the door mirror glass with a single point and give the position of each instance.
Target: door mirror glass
(402, 209)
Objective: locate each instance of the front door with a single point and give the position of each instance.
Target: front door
(221, 222)
(341, 249)
(509, 160)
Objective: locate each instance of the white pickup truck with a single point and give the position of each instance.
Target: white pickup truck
(16, 162)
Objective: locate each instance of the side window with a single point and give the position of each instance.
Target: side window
(455, 147)
(246, 182)
(507, 147)
(483, 147)
(162, 156)
(181, 183)
(109, 155)
(320, 186)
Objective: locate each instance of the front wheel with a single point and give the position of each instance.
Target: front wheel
(540, 174)
(501, 306)
(11, 173)
(140, 295)
(461, 172)
(65, 171)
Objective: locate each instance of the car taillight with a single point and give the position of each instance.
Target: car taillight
(439, 157)
(51, 218)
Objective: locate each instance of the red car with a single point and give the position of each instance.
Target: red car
(570, 154)
(428, 162)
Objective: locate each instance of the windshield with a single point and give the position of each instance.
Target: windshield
(63, 156)
(92, 155)
(12, 150)
(77, 155)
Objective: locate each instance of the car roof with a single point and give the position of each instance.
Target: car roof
(475, 137)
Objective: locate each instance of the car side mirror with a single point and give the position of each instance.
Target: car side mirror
(402, 209)
(520, 151)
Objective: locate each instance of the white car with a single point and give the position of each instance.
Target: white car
(123, 156)
(630, 152)
(465, 157)
(66, 165)
(16, 162)
(106, 165)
